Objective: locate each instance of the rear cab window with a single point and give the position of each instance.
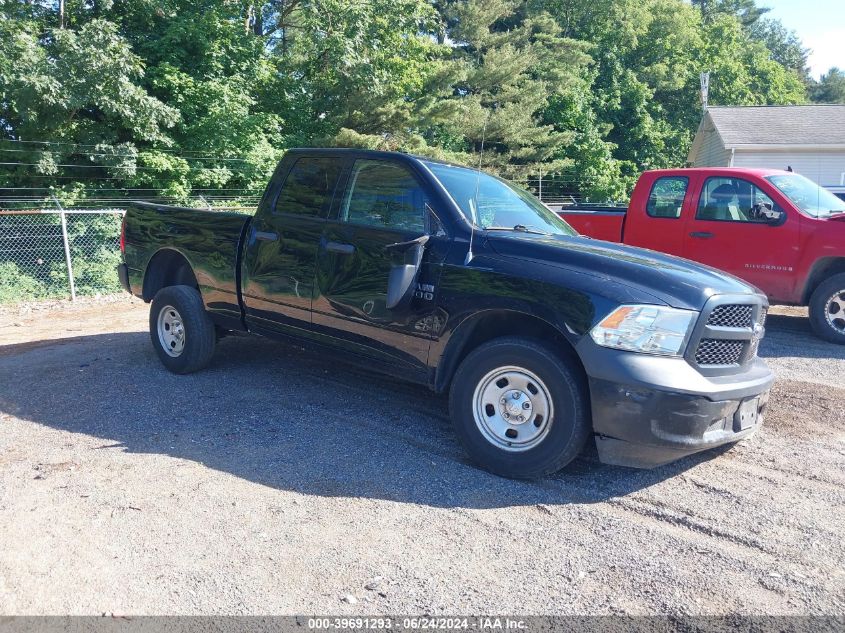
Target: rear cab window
(666, 199)
(309, 187)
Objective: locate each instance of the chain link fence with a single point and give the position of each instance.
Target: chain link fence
(48, 253)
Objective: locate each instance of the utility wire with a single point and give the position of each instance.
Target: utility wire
(65, 144)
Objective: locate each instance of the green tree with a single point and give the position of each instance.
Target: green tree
(180, 97)
(647, 58)
(356, 72)
(785, 45)
(830, 88)
(746, 11)
(217, 74)
(743, 71)
(508, 59)
(80, 89)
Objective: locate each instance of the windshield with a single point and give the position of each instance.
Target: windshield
(807, 195)
(492, 203)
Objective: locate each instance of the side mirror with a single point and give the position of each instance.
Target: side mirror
(776, 217)
(763, 212)
(401, 281)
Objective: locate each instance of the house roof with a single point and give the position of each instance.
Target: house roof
(780, 125)
(805, 127)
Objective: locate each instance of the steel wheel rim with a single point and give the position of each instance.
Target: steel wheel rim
(513, 409)
(171, 331)
(834, 311)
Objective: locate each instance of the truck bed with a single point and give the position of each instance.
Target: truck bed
(210, 241)
(601, 223)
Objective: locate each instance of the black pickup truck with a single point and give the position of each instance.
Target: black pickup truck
(453, 278)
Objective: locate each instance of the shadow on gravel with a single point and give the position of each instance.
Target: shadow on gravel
(791, 335)
(282, 417)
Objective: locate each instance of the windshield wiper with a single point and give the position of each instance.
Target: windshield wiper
(520, 228)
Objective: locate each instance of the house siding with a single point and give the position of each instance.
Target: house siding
(712, 152)
(824, 167)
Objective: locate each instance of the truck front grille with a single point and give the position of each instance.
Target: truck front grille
(725, 339)
(755, 344)
(718, 352)
(731, 315)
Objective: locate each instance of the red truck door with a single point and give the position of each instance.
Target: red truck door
(722, 232)
(655, 214)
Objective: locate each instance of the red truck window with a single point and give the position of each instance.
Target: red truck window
(730, 200)
(667, 197)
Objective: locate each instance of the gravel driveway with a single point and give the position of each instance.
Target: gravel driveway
(279, 482)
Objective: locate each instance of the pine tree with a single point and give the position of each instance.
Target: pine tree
(746, 10)
(507, 61)
(830, 88)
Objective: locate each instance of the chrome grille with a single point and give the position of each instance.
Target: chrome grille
(724, 341)
(731, 315)
(719, 352)
(755, 344)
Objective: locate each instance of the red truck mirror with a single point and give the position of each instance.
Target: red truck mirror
(763, 212)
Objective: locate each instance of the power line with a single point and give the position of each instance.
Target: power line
(110, 155)
(133, 168)
(168, 151)
(95, 189)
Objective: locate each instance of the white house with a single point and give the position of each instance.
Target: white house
(808, 138)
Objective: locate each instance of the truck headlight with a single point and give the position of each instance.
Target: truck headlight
(647, 329)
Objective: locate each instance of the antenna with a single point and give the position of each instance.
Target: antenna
(473, 206)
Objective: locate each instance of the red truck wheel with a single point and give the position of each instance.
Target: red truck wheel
(827, 309)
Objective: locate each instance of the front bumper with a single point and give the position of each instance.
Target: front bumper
(651, 410)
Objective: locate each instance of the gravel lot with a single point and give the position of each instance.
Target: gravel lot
(276, 482)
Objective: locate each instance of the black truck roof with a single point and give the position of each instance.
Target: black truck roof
(370, 153)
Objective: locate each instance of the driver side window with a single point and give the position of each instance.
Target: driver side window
(732, 200)
(384, 195)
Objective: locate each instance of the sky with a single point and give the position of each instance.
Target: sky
(820, 25)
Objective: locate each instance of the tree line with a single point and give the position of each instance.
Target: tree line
(176, 97)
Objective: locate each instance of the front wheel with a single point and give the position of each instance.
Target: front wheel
(182, 333)
(519, 409)
(827, 309)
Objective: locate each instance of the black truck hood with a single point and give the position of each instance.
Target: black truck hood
(677, 282)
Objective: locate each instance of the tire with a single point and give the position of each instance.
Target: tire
(827, 309)
(181, 331)
(495, 381)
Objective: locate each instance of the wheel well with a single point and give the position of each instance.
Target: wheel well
(495, 325)
(167, 268)
(822, 269)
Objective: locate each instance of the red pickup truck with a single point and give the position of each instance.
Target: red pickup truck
(774, 229)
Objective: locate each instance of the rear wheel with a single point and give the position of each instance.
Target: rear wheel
(182, 333)
(519, 409)
(827, 309)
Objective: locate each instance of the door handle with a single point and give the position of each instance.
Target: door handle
(266, 236)
(704, 235)
(337, 247)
